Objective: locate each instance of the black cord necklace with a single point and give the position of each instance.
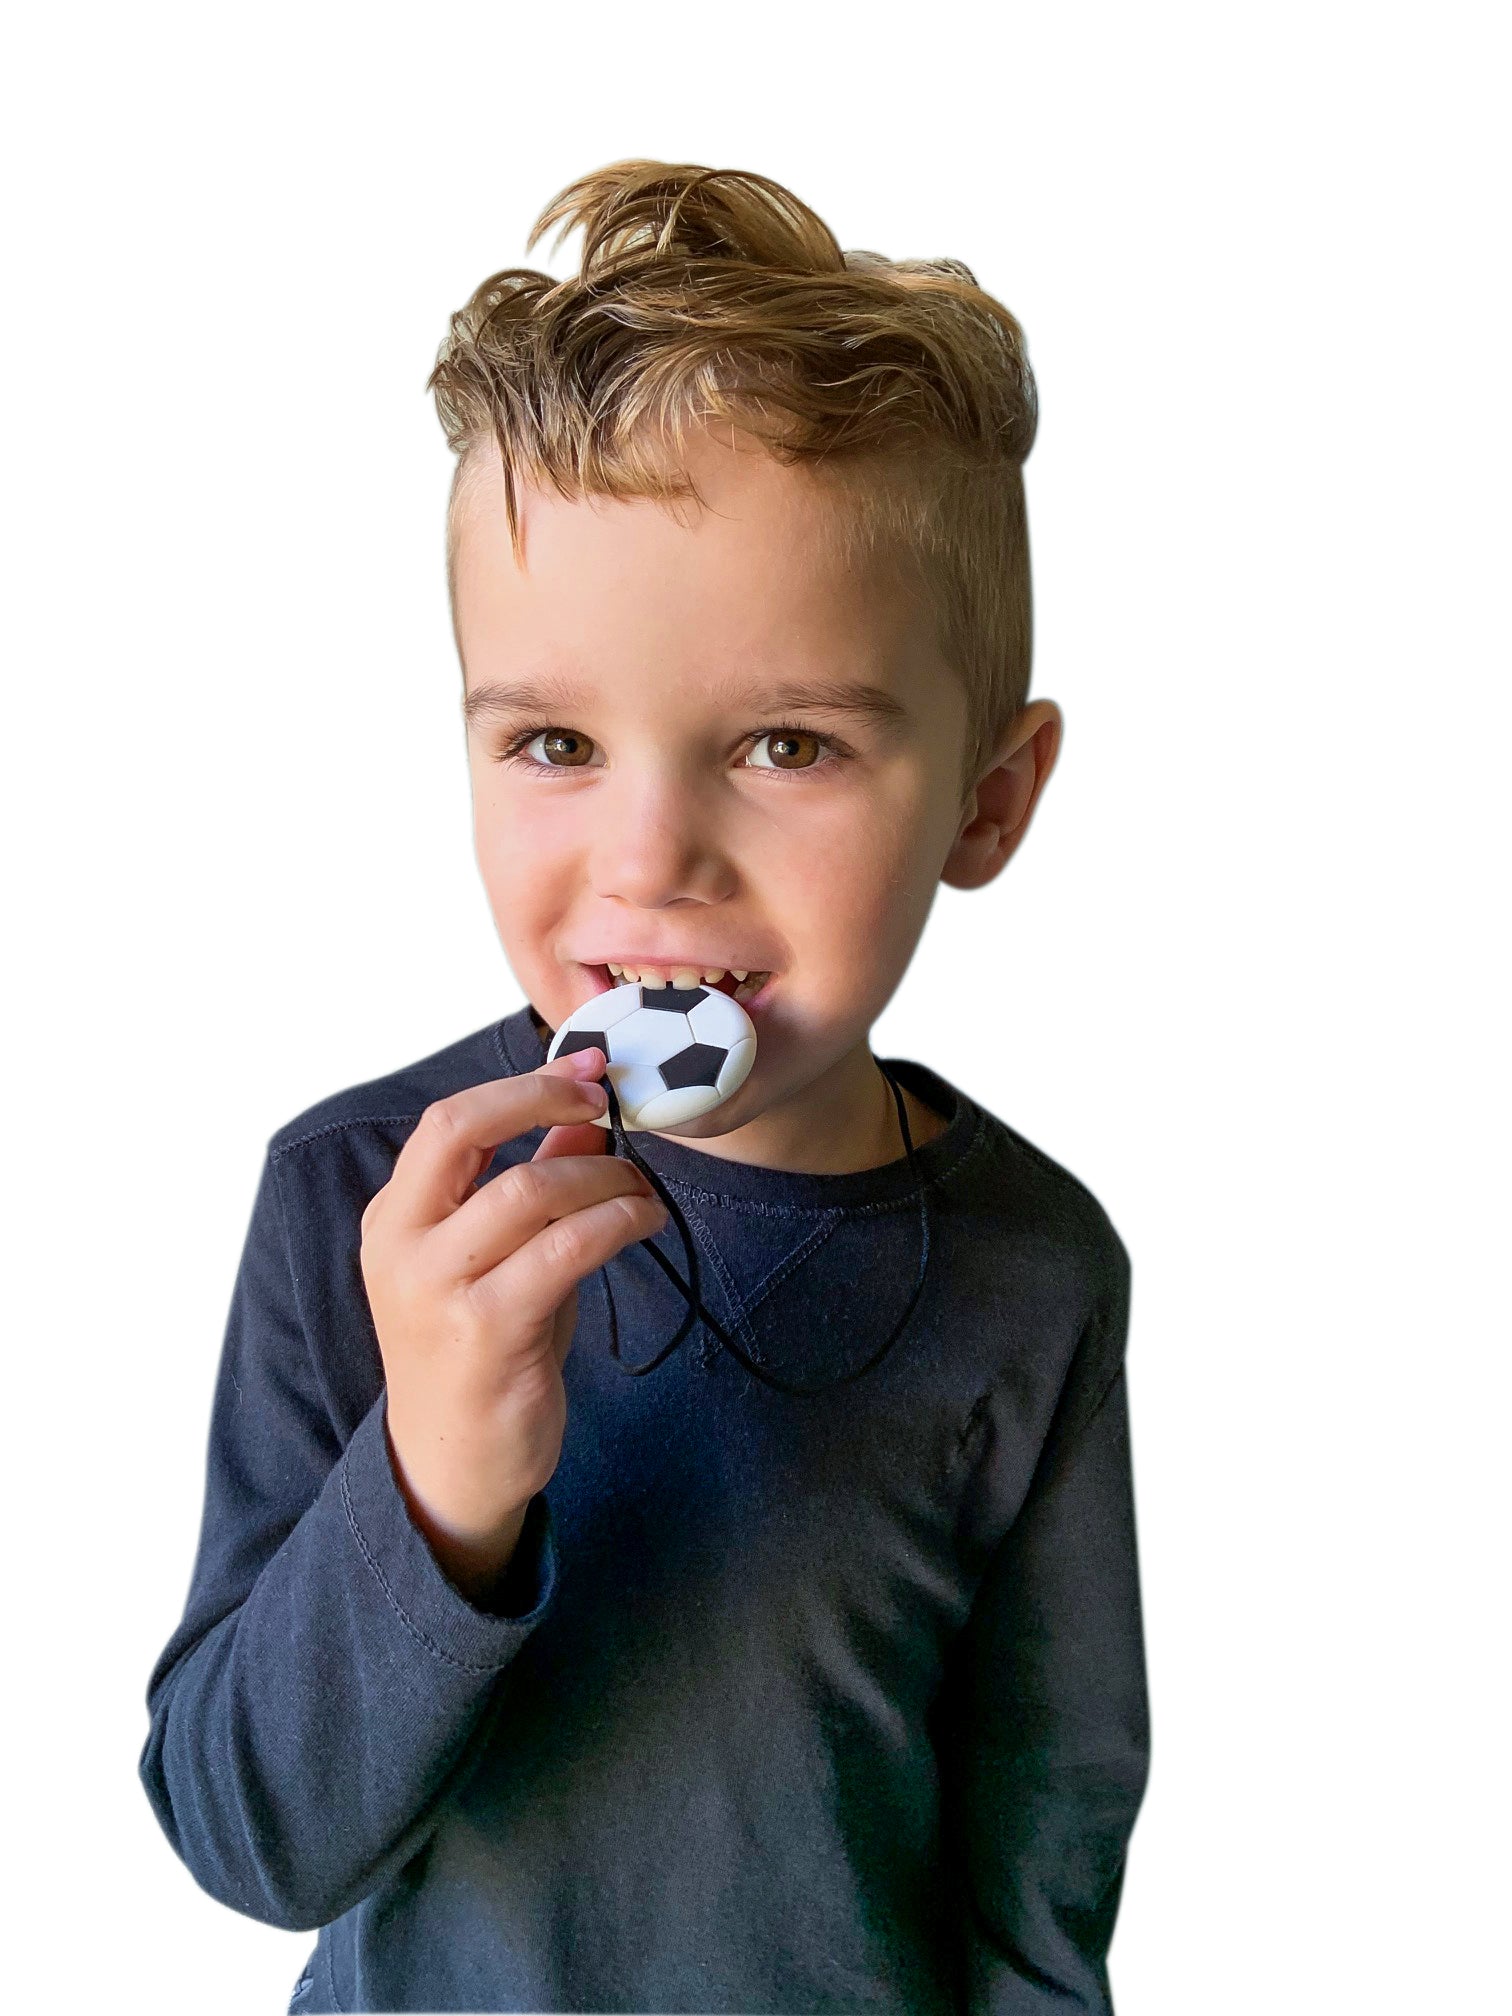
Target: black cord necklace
(620, 1145)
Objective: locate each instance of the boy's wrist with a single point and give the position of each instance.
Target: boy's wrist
(477, 1570)
(475, 1564)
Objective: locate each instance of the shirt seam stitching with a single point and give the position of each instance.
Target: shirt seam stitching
(342, 1127)
(439, 1652)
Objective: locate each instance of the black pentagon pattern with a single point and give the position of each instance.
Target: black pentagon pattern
(699, 1064)
(584, 1039)
(675, 1000)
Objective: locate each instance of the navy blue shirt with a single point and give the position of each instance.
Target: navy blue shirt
(789, 1704)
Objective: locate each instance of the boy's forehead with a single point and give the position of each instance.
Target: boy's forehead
(758, 571)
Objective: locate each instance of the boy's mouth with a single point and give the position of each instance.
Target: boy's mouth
(750, 989)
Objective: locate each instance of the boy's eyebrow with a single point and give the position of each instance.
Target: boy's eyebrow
(550, 692)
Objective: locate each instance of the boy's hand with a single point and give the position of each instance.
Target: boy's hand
(473, 1291)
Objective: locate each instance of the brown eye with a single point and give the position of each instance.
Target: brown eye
(563, 744)
(792, 749)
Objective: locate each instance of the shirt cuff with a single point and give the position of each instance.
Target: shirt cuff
(413, 1581)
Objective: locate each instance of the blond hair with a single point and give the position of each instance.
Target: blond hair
(710, 294)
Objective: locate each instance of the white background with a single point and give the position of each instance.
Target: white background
(1252, 943)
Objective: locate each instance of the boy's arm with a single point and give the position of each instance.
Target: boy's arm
(1046, 1715)
(327, 1686)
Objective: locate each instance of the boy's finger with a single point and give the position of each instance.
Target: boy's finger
(510, 1209)
(573, 1140)
(456, 1137)
(528, 1283)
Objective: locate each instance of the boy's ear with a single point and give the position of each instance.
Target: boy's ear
(995, 813)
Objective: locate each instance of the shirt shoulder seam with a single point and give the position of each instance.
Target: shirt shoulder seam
(281, 1148)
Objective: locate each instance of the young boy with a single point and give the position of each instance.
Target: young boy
(812, 1686)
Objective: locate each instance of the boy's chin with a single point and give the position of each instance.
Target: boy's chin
(707, 1127)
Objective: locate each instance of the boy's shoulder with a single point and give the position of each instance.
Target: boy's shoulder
(1040, 1232)
(1011, 1187)
(1043, 1194)
(400, 1096)
(1052, 1272)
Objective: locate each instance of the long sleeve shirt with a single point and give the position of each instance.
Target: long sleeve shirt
(785, 1704)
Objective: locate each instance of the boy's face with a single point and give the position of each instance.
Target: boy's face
(663, 821)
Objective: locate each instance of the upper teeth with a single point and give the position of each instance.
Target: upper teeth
(688, 976)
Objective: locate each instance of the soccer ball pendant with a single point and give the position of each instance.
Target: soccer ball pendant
(674, 1052)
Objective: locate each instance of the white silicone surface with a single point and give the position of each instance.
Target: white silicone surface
(647, 1045)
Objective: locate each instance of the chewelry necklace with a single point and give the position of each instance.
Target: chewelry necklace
(620, 1144)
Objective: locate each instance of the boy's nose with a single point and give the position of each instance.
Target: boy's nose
(653, 862)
